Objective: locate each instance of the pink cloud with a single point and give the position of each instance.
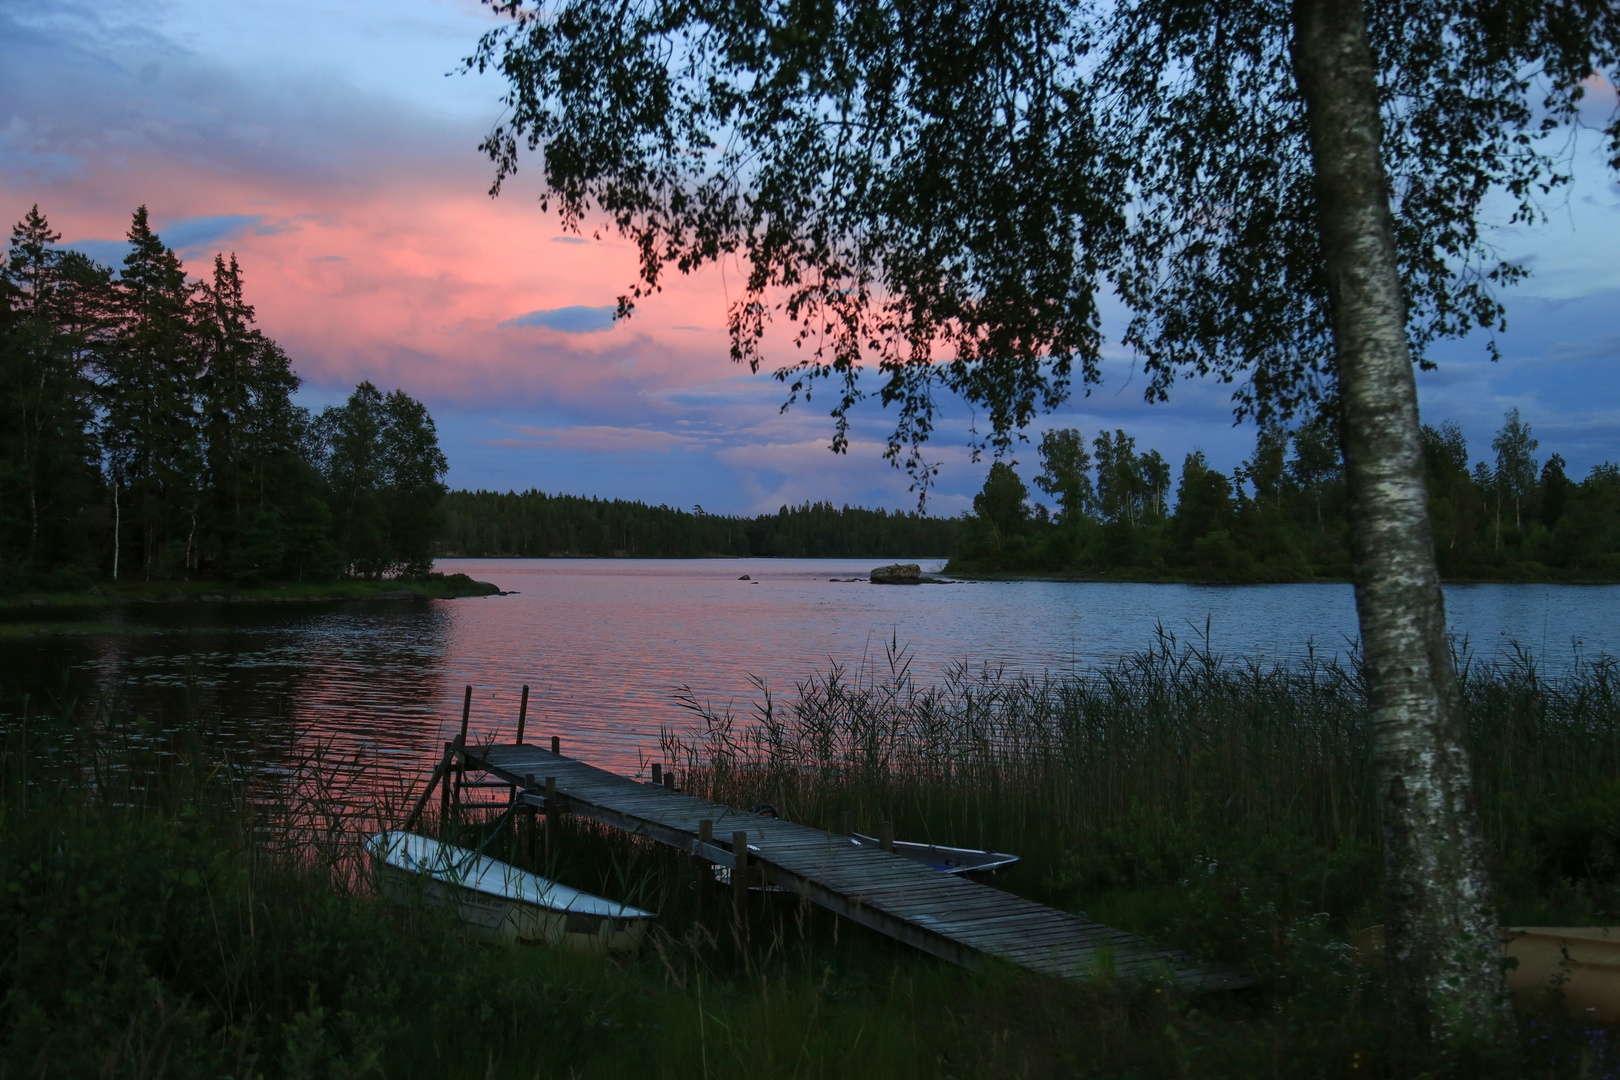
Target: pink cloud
(599, 439)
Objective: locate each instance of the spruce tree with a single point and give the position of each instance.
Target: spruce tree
(48, 471)
(152, 431)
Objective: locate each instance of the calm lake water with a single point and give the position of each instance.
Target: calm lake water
(604, 644)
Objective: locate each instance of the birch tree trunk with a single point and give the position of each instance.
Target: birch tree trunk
(1441, 931)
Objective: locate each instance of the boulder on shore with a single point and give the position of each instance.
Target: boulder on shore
(898, 574)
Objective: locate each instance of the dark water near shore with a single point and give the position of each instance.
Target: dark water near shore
(604, 644)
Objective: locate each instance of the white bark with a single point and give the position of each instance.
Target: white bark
(1443, 950)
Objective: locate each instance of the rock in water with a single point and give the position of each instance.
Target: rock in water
(898, 574)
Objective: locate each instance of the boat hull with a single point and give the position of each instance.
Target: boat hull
(501, 903)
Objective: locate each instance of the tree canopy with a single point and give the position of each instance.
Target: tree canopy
(1288, 197)
(940, 193)
(148, 429)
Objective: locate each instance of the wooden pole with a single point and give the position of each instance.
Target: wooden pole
(556, 746)
(531, 820)
(427, 793)
(846, 823)
(444, 789)
(461, 741)
(739, 890)
(886, 836)
(658, 773)
(669, 779)
(523, 713)
(552, 814)
(705, 872)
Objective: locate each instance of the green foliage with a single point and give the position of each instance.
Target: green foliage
(168, 912)
(1066, 474)
(48, 456)
(534, 524)
(383, 468)
(935, 195)
(1282, 514)
(149, 430)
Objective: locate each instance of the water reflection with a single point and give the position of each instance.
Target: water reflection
(604, 644)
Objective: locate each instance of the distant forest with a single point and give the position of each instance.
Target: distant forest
(1281, 515)
(534, 524)
(148, 433)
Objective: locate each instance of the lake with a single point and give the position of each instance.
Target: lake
(604, 643)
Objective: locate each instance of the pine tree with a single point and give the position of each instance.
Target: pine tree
(252, 429)
(152, 432)
(48, 472)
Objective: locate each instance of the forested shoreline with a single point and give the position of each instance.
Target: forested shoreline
(148, 433)
(534, 524)
(1281, 515)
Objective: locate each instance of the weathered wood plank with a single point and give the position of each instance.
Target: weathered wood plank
(949, 917)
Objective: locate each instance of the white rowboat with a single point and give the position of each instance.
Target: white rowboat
(499, 901)
(947, 860)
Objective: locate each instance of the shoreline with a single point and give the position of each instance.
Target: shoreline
(1077, 577)
(106, 595)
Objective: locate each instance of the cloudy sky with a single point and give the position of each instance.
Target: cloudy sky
(328, 144)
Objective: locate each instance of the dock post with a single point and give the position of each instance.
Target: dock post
(444, 787)
(705, 873)
(523, 714)
(657, 773)
(846, 823)
(739, 892)
(886, 836)
(461, 742)
(531, 820)
(669, 779)
(556, 746)
(551, 816)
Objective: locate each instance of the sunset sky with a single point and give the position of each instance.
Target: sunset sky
(328, 145)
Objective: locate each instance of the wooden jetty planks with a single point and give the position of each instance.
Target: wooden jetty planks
(946, 915)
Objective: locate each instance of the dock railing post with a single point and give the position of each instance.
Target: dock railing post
(440, 776)
(551, 815)
(461, 743)
(556, 746)
(846, 823)
(669, 779)
(739, 893)
(705, 873)
(523, 713)
(657, 773)
(886, 836)
(531, 820)
(444, 786)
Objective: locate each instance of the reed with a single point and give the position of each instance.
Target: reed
(1175, 766)
(172, 911)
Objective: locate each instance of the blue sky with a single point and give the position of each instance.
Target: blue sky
(328, 144)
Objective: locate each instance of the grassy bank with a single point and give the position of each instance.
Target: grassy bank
(169, 913)
(428, 587)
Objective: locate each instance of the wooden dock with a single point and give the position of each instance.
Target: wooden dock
(947, 916)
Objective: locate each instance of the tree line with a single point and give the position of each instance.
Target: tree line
(534, 524)
(1282, 515)
(148, 432)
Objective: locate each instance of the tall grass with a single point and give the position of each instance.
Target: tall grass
(168, 911)
(1175, 764)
